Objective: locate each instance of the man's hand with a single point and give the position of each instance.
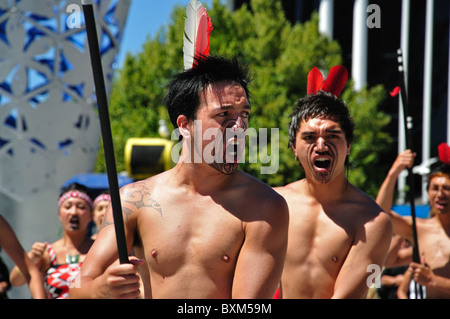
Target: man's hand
(121, 281)
(422, 273)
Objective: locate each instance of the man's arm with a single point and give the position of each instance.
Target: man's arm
(425, 276)
(102, 276)
(385, 196)
(261, 259)
(12, 246)
(365, 259)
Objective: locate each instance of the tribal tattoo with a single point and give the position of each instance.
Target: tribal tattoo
(139, 196)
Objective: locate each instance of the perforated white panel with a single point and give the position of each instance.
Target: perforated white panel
(49, 128)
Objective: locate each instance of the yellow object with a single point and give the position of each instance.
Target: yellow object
(145, 157)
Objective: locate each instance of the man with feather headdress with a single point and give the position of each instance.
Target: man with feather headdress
(203, 229)
(433, 234)
(338, 236)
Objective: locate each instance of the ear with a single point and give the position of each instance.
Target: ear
(183, 124)
(348, 149)
(294, 150)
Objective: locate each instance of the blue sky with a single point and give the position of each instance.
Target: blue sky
(145, 17)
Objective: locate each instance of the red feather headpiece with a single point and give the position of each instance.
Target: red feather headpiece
(444, 153)
(197, 30)
(334, 83)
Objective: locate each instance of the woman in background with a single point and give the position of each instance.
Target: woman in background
(60, 261)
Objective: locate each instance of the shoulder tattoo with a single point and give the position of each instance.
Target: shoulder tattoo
(137, 195)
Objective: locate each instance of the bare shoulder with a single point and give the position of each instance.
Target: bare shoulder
(258, 190)
(136, 189)
(261, 199)
(290, 190)
(369, 212)
(140, 195)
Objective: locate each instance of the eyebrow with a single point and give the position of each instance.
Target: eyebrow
(335, 131)
(228, 107)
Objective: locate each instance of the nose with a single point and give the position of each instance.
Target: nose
(321, 146)
(73, 210)
(236, 123)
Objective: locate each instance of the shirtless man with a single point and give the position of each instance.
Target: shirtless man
(335, 230)
(433, 234)
(199, 230)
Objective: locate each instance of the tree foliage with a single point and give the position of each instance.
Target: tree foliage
(280, 56)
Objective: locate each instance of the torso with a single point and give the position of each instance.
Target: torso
(61, 270)
(434, 246)
(320, 237)
(191, 241)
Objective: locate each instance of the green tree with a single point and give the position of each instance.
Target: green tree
(280, 56)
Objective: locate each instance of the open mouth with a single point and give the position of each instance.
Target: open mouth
(232, 150)
(74, 222)
(322, 163)
(441, 205)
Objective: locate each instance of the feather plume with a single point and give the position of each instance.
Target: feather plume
(395, 91)
(315, 81)
(444, 153)
(334, 83)
(197, 29)
(336, 80)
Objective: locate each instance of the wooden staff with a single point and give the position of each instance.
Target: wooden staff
(105, 126)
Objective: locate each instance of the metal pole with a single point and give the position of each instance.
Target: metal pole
(326, 10)
(427, 92)
(359, 44)
(404, 45)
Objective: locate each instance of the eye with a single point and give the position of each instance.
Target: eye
(245, 115)
(309, 137)
(82, 206)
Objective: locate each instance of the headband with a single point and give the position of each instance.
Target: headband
(100, 198)
(75, 194)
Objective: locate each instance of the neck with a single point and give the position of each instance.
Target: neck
(328, 192)
(200, 177)
(444, 219)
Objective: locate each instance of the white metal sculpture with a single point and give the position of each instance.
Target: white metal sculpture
(49, 129)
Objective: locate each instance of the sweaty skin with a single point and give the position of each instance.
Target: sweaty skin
(433, 233)
(197, 230)
(335, 230)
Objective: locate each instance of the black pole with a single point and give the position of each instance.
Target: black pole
(105, 126)
(407, 122)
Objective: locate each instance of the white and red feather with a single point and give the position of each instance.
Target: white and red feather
(197, 30)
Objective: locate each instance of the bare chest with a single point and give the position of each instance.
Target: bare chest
(434, 244)
(190, 237)
(317, 240)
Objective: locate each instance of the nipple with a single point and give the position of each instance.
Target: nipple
(225, 258)
(154, 253)
(334, 258)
